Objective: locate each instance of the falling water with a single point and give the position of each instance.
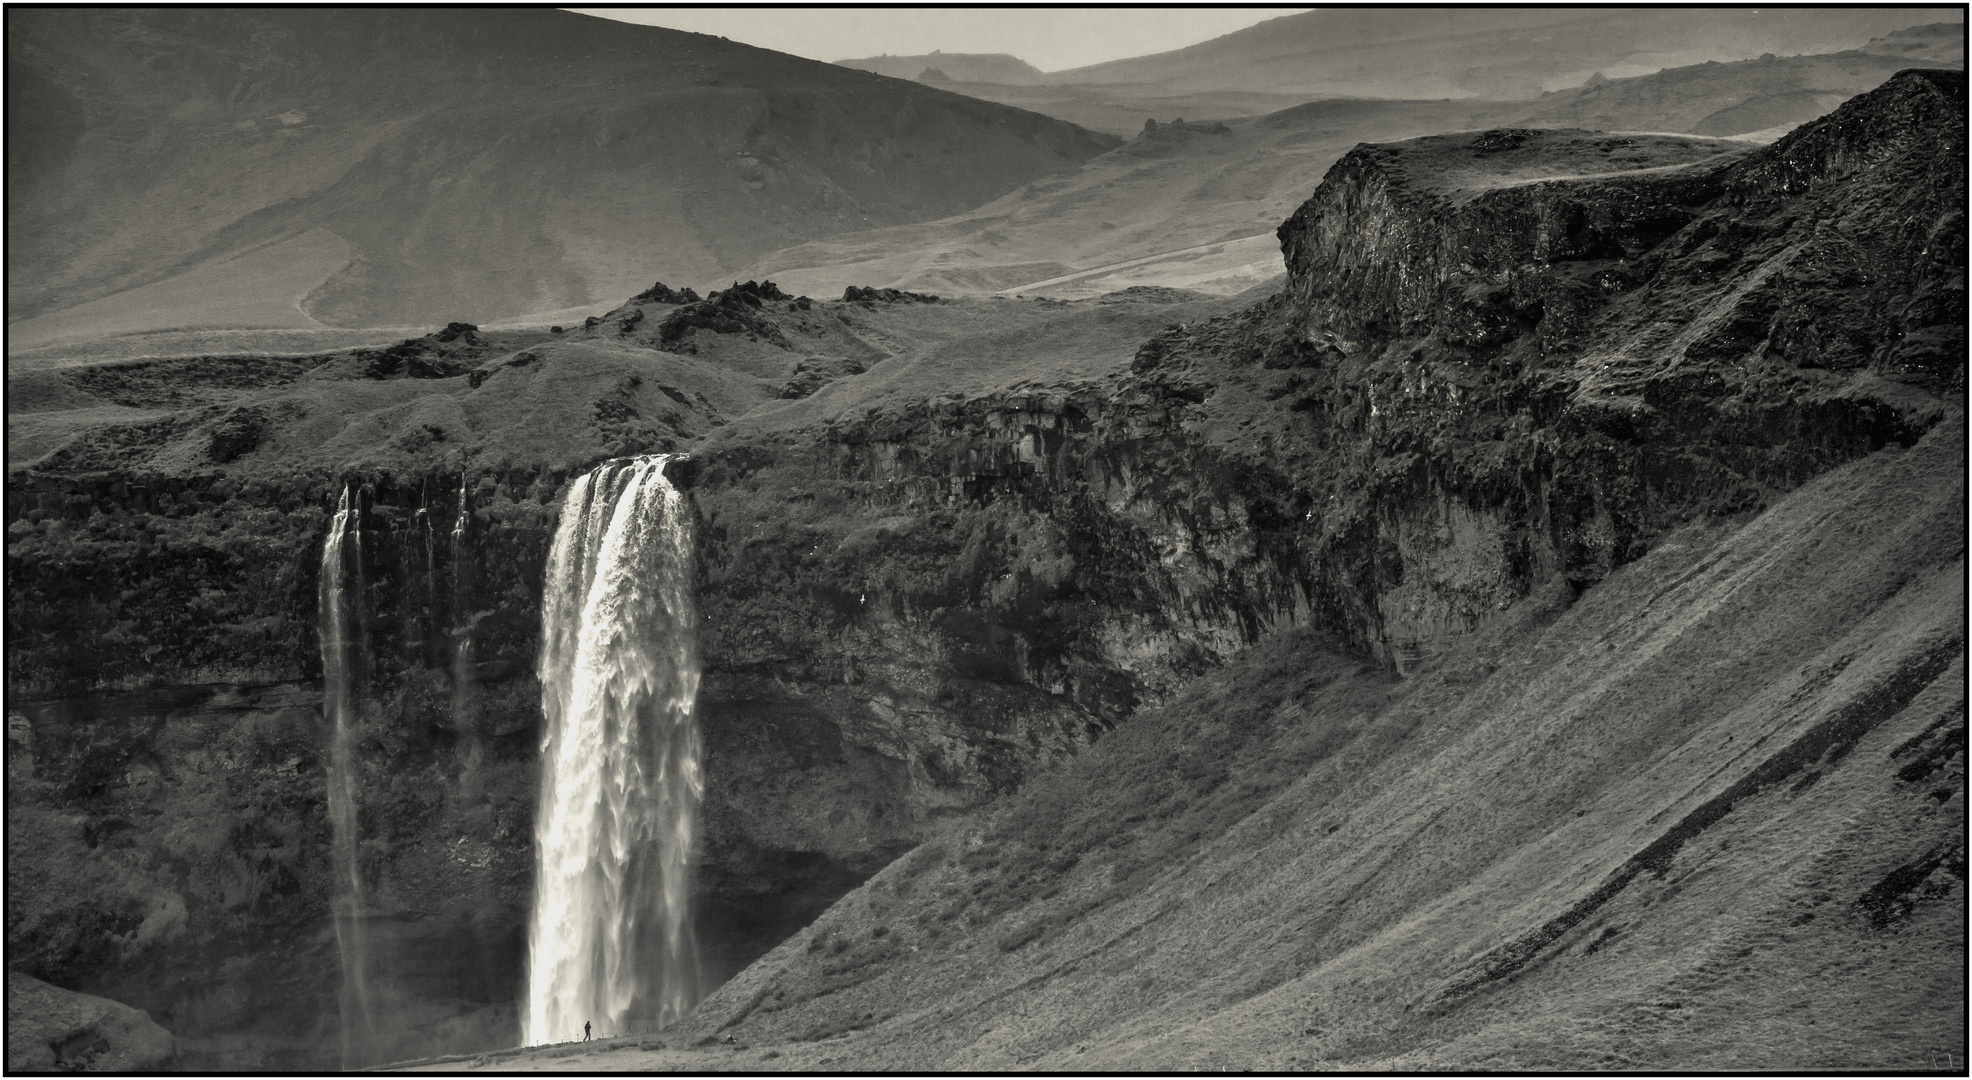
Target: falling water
(471, 749)
(620, 783)
(342, 560)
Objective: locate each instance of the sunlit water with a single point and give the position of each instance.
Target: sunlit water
(610, 943)
(342, 563)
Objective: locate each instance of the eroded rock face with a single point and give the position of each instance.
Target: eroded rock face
(53, 1030)
(1515, 377)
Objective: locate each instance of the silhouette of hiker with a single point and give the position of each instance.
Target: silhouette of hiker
(585, 1031)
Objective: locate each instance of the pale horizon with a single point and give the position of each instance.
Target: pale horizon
(1049, 38)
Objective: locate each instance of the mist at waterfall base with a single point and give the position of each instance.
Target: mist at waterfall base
(611, 943)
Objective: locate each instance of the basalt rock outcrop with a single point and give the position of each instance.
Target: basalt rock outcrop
(1511, 377)
(52, 1030)
(866, 295)
(663, 294)
(942, 546)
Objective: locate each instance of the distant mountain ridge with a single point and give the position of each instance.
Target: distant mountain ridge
(478, 164)
(958, 67)
(1487, 52)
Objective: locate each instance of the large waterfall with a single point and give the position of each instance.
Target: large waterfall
(611, 943)
(342, 562)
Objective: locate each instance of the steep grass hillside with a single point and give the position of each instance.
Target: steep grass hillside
(441, 164)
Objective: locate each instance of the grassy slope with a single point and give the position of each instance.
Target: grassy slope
(476, 167)
(969, 347)
(1708, 817)
(260, 289)
(325, 418)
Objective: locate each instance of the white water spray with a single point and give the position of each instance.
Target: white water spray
(611, 942)
(461, 622)
(342, 560)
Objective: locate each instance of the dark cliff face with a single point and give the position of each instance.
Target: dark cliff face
(1503, 362)
(1530, 376)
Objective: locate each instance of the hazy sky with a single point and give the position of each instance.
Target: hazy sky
(1050, 38)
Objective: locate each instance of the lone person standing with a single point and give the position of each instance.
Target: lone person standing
(585, 1031)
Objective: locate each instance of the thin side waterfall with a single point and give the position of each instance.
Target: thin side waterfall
(611, 940)
(342, 561)
(471, 750)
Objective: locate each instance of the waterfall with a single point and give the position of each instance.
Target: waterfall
(611, 942)
(342, 560)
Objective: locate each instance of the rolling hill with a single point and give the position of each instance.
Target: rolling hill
(1484, 52)
(408, 166)
(1460, 54)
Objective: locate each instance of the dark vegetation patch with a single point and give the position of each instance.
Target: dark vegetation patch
(816, 372)
(187, 381)
(1823, 745)
(236, 434)
(1891, 900)
(858, 294)
(119, 446)
(455, 350)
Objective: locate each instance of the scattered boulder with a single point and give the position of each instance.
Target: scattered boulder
(478, 376)
(236, 434)
(763, 290)
(737, 310)
(663, 294)
(1151, 294)
(452, 351)
(54, 1030)
(860, 295)
(816, 372)
(1156, 140)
